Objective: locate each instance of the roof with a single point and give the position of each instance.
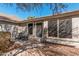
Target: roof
(10, 18)
(73, 13)
(17, 20)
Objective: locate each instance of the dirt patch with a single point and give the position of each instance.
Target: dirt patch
(51, 50)
(31, 52)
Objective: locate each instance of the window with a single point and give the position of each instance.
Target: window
(52, 28)
(65, 28)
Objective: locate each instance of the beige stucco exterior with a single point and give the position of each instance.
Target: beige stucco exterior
(19, 26)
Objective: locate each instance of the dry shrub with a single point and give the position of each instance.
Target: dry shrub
(5, 41)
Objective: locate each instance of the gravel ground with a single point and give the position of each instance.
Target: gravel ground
(51, 50)
(41, 49)
(60, 50)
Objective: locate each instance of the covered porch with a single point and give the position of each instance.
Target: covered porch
(35, 29)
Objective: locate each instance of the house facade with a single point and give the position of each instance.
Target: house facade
(61, 28)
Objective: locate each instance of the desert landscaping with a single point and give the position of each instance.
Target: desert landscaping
(32, 47)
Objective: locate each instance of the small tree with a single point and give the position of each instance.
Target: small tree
(30, 17)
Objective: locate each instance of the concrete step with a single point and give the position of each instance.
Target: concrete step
(65, 42)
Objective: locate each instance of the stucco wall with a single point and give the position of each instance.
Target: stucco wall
(75, 28)
(9, 27)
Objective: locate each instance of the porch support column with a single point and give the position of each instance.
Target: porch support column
(45, 29)
(58, 28)
(27, 28)
(34, 29)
